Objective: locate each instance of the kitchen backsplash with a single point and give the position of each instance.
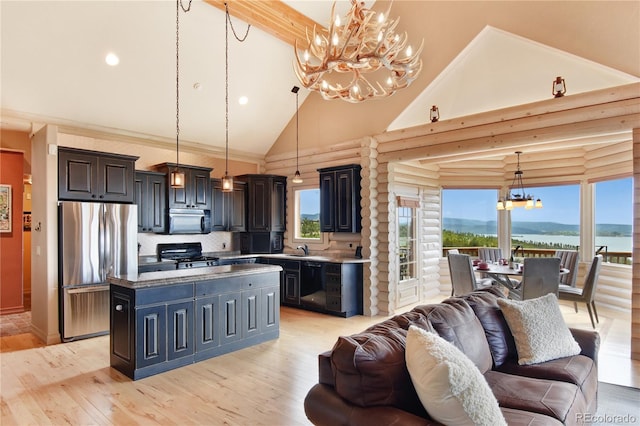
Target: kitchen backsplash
(212, 242)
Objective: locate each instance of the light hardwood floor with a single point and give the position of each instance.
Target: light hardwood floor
(72, 383)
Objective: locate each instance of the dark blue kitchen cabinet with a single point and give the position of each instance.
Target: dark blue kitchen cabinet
(340, 197)
(150, 196)
(162, 327)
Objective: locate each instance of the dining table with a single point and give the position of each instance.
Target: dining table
(503, 274)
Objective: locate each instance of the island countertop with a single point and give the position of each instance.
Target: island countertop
(159, 278)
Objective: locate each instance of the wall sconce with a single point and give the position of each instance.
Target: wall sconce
(559, 88)
(434, 114)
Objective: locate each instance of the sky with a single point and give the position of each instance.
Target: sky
(560, 204)
(310, 201)
(614, 204)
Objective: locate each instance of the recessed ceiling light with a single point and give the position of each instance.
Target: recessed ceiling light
(112, 59)
(243, 100)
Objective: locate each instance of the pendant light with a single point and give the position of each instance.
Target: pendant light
(227, 181)
(296, 177)
(176, 177)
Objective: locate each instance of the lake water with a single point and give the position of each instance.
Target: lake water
(613, 243)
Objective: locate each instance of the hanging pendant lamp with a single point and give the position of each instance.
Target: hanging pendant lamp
(227, 181)
(296, 177)
(176, 177)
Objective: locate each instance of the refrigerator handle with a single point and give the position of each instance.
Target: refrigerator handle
(102, 243)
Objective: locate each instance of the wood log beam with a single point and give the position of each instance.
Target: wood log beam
(528, 125)
(271, 16)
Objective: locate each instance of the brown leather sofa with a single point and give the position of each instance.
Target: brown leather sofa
(364, 380)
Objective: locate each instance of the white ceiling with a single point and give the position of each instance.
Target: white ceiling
(53, 70)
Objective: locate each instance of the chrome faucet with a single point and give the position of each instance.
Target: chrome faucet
(304, 248)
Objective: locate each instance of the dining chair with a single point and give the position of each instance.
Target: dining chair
(541, 276)
(568, 259)
(587, 294)
(490, 254)
(463, 278)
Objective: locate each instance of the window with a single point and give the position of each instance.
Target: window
(469, 218)
(407, 242)
(555, 226)
(307, 215)
(613, 219)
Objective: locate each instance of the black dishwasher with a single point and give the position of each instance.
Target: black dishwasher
(312, 290)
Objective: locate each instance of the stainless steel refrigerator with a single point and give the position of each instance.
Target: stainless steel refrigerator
(95, 240)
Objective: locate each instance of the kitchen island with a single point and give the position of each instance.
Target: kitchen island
(164, 320)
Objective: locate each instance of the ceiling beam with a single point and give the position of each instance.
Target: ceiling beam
(271, 16)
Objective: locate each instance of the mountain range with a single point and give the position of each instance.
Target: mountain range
(543, 228)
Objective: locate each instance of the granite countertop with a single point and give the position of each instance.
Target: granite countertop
(312, 258)
(150, 279)
(151, 259)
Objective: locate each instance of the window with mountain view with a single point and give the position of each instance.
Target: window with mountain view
(555, 226)
(613, 219)
(469, 218)
(307, 215)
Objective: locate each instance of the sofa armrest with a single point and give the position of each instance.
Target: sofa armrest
(323, 406)
(589, 341)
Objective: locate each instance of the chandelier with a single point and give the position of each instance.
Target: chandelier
(520, 199)
(358, 59)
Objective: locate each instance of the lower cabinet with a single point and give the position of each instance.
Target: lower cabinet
(289, 280)
(328, 287)
(343, 286)
(153, 332)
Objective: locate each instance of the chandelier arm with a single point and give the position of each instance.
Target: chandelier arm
(187, 9)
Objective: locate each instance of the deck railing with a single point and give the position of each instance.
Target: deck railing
(619, 257)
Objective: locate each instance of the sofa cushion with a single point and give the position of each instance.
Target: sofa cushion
(455, 321)
(560, 400)
(501, 344)
(539, 329)
(369, 369)
(449, 385)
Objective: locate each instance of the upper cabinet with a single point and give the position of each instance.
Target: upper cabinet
(266, 202)
(196, 193)
(95, 176)
(228, 209)
(150, 196)
(340, 209)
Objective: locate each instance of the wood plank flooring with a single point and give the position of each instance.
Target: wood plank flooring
(72, 383)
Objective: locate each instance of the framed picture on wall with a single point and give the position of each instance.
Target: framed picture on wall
(5, 208)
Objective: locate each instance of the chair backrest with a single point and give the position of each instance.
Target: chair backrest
(568, 259)
(489, 254)
(463, 279)
(591, 281)
(541, 276)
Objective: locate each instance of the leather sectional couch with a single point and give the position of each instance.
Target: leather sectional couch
(364, 379)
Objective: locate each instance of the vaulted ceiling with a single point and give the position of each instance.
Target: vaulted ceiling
(478, 56)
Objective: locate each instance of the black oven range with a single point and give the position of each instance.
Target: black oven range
(186, 255)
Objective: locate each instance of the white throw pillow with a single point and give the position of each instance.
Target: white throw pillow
(538, 329)
(449, 385)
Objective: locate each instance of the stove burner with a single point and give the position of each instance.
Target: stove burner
(186, 255)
